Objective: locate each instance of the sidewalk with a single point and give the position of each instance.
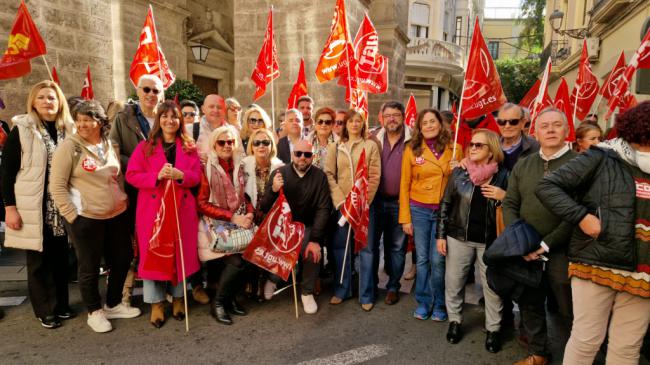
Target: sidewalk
(12, 264)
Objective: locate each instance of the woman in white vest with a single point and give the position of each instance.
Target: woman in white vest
(33, 222)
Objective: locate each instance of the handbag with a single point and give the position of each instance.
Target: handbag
(501, 226)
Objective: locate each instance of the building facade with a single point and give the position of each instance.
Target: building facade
(501, 30)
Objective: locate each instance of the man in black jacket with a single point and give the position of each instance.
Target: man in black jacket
(521, 202)
(307, 192)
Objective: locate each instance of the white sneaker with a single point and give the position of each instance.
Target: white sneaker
(121, 311)
(98, 322)
(269, 289)
(309, 304)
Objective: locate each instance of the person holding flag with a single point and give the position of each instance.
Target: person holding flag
(307, 192)
(342, 159)
(86, 185)
(168, 154)
(426, 167)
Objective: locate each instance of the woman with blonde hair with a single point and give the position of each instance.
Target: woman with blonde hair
(254, 118)
(33, 222)
(467, 226)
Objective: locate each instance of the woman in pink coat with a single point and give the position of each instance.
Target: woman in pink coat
(168, 153)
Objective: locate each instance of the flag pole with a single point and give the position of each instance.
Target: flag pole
(345, 255)
(597, 104)
(575, 105)
(347, 55)
(295, 293)
(180, 241)
(460, 113)
(272, 74)
(49, 72)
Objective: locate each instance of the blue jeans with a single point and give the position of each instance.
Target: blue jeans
(369, 260)
(153, 291)
(430, 265)
(386, 217)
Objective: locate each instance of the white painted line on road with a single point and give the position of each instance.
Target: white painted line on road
(354, 356)
(11, 301)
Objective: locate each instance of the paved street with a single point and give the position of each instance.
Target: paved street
(270, 334)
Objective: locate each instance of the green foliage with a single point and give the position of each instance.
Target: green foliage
(185, 91)
(517, 76)
(532, 17)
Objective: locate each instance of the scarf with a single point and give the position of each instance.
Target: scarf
(52, 217)
(224, 192)
(480, 174)
(628, 154)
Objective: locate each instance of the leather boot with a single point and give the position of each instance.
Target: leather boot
(178, 309)
(533, 360)
(227, 293)
(236, 308)
(219, 313)
(199, 295)
(157, 314)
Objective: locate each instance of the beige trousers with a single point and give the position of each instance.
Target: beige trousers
(593, 307)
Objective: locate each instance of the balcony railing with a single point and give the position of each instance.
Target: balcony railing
(425, 51)
(558, 50)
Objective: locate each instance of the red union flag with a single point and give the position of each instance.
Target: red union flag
(335, 54)
(87, 90)
(266, 69)
(641, 59)
(355, 209)
(299, 88)
(359, 102)
(25, 43)
(149, 58)
(528, 100)
(55, 76)
(276, 244)
(411, 112)
(562, 102)
(617, 72)
(542, 95)
(163, 244)
(586, 86)
(482, 92)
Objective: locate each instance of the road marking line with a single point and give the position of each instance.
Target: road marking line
(354, 356)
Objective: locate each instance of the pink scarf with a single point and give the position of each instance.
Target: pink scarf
(480, 174)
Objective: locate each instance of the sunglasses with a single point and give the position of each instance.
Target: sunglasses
(326, 122)
(189, 114)
(148, 90)
(339, 122)
(255, 121)
(512, 122)
(262, 142)
(477, 145)
(299, 154)
(223, 142)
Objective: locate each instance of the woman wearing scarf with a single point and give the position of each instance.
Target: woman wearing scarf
(322, 135)
(33, 222)
(467, 225)
(605, 192)
(168, 154)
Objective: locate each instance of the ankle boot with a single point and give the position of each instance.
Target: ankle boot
(219, 313)
(236, 308)
(157, 314)
(178, 309)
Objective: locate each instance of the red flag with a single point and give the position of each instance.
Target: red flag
(55, 76)
(586, 84)
(176, 101)
(277, 242)
(335, 53)
(369, 69)
(149, 58)
(299, 88)
(529, 99)
(163, 244)
(266, 69)
(542, 95)
(628, 101)
(562, 102)
(87, 91)
(617, 72)
(25, 43)
(411, 113)
(3, 137)
(359, 102)
(355, 209)
(641, 59)
(482, 92)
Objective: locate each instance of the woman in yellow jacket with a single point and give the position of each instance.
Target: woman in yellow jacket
(426, 166)
(340, 166)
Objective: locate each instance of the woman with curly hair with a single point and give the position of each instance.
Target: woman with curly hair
(605, 192)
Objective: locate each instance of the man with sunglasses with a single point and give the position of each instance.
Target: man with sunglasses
(307, 192)
(514, 143)
(339, 123)
(190, 114)
(551, 130)
(392, 136)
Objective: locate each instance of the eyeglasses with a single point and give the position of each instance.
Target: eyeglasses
(189, 114)
(512, 122)
(263, 142)
(299, 154)
(339, 122)
(223, 142)
(477, 145)
(255, 121)
(326, 122)
(235, 108)
(394, 115)
(148, 90)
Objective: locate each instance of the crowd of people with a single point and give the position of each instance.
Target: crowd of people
(544, 225)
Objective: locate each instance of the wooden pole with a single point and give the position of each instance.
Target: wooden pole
(180, 242)
(49, 72)
(460, 112)
(295, 292)
(345, 255)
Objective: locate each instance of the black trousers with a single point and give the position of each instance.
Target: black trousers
(47, 275)
(228, 271)
(92, 240)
